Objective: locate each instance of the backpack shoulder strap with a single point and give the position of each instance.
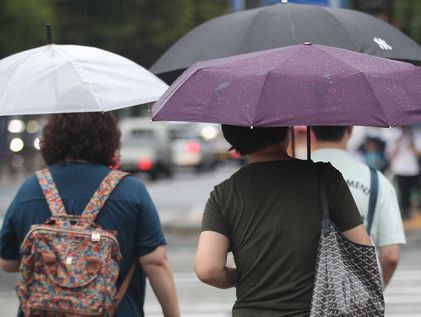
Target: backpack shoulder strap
(101, 195)
(374, 189)
(123, 288)
(50, 191)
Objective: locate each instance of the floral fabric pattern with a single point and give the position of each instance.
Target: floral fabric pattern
(70, 268)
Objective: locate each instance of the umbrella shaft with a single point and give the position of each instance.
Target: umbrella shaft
(308, 143)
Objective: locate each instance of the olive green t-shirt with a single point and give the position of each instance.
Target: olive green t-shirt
(271, 213)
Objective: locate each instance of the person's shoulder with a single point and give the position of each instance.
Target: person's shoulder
(29, 190)
(131, 190)
(385, 184)
(348, 165)
(132, 181)
(131, 184)
(227, 184)
(332, 174)
(337, 156)
(327, 167)
(30, 183)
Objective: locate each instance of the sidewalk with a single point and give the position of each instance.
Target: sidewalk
(192, 222)
(413, 223)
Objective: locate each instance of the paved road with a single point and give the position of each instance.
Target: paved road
(403, 296)
(177, 199)
(182, 199)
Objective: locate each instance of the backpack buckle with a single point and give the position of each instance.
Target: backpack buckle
(95, 236)
(69, 260)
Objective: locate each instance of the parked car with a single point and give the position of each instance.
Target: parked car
(145, 147)
(189, 148)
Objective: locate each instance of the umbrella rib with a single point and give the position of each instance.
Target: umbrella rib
(85, 82)
(260, 95)
(359, 72)
(377, 99)
(292, 25)
(168, 93)
(266, 77)
(258, 13)
(14, 74)
(343, 27)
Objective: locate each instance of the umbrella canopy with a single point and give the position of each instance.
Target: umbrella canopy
(283, 25)
(70, 78)
(297, 85)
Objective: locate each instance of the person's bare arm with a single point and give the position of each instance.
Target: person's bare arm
(211, 260)
(389, 259)
(157, 269)
(358, 235)
(9, 266)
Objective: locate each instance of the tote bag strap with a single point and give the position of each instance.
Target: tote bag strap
(374, 189)
(321, 167)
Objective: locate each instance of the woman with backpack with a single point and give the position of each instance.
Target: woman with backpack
(97, 234)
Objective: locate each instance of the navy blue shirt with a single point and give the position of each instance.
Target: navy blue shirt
(129, 210)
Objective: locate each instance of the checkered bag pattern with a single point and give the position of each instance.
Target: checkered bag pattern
(347, 281)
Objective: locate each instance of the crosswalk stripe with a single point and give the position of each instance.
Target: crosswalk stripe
(403, 296)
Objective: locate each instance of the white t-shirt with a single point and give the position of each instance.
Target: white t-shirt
(387, 228)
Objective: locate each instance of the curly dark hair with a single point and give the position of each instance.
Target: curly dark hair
(247, 141)
(90, 136)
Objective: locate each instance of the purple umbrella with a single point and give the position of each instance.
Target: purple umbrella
(296, 85)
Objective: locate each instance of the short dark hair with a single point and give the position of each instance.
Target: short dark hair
(91, 136)
(247, 140)
(329, 133)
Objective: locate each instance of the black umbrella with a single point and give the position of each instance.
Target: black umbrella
(283, 25)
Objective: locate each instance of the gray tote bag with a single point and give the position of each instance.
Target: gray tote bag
(347, 280)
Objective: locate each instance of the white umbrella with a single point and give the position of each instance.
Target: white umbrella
(70, 78)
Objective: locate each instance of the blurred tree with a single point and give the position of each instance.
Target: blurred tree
(138, 29)
(22, 24)
(408, 15)
(374, 7)
(383, 9)
(253, 4)
(404, 14)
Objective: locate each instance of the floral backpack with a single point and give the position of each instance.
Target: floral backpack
(69, 264)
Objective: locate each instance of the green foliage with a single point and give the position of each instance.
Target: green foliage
(138, 29)
(405, 14)
(408, 13)
(22, 24)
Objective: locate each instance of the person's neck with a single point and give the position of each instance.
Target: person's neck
(341, 145)
(270, 153)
